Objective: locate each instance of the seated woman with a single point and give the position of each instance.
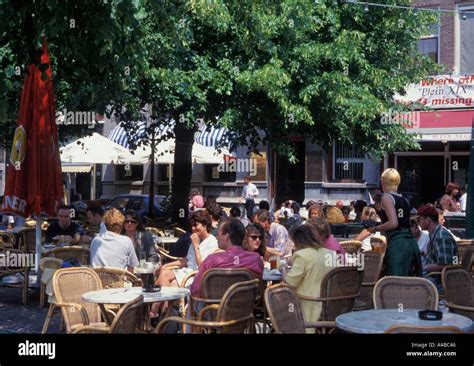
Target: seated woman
(141, 239)
(316, 211)
(334, 216)
(203, 244)
(254, 240)
(110, 249)
(308, 270)
(448, 201)
(323, 232)
(369, 217)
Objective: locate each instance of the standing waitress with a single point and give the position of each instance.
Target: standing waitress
(402, 249)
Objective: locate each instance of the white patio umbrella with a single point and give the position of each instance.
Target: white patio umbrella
(165, 154)
(95, 149)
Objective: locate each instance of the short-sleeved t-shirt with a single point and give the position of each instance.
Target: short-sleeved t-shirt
(113, 250)
(54, 230)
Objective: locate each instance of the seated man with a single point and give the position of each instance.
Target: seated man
(278, 243)
(230, 237)
(442, 249)
(64, 230)
(94, 214)
(110, 249)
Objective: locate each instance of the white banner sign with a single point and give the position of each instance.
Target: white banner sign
(441, 92)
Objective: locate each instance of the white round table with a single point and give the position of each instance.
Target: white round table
(124, 295)
(377, 321)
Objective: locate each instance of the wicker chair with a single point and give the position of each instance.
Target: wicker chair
(351, 246)
(372, 270)
(10, 270)
(468, 260)
(463, 246)
(117, 278)
(459, 290)
(339, 289)
(8, 240)
(391, 292)
(379, 244)
(68, 252)
(47, 262)
(215, 282)
(178, 232)
(126, 321)
(68, 285)
(155, 231)
(403, 328)
(284, 308)
(165, 255)
(234, 312)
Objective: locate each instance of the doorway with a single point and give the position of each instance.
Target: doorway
(83, 185)
(289, 182)
(422, 178)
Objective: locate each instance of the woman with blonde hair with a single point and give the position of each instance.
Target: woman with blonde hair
(110, 249)
(402, 253)
(334, 216)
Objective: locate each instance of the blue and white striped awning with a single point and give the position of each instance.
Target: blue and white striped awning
(207, 135)
(211, 136)
(119, 135)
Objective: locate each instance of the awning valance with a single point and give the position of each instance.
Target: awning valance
(76, 167)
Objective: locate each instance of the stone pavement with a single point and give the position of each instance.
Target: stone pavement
(16, 318)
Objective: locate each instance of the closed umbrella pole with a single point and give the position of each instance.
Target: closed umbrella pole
(470, 190)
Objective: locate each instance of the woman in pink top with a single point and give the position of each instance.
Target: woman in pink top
(324, 234)
(197, 200)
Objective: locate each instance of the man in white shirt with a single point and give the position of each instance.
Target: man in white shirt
(463, 199)
(422, 237)
(249, 193)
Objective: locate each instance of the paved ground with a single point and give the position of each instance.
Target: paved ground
(16, 318)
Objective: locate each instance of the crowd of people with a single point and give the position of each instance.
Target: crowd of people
(249, 235)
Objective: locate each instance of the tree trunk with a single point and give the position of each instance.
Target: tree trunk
(182, 171)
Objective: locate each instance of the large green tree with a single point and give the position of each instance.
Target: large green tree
(266, 70)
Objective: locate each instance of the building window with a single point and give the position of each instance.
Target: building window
(466, 30)
(164, 172)
(213, 174)
(429, 47)
(314, 166)
(348, 164)
(135, 173)
(259, 162)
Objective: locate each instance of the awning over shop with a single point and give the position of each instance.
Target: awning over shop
(76, 167)
(206, 135)
(442, 125)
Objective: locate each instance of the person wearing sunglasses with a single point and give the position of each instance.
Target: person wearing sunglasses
(254, 240)
(141, 239)
(110, 249)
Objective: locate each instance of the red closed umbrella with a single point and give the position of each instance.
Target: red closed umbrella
(34, 184)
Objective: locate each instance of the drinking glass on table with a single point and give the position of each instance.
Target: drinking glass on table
(142, 259)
